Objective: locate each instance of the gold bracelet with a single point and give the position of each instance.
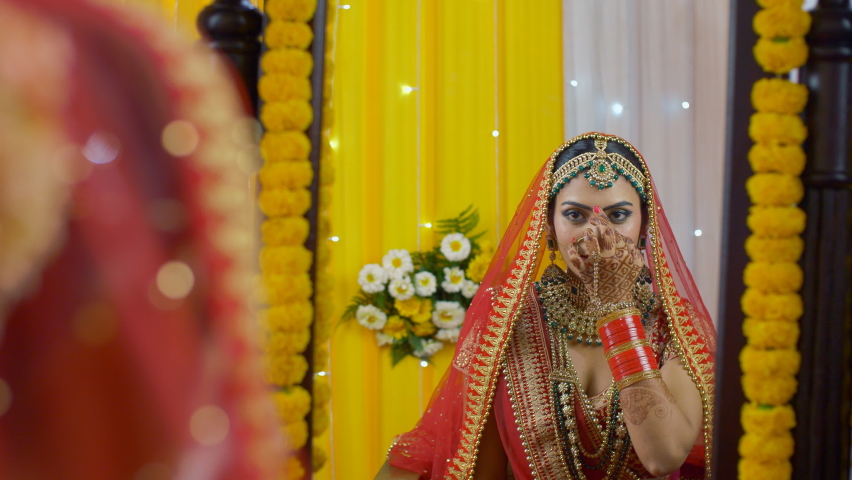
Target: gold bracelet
(612, 315)
(641, 342)
(638, 377)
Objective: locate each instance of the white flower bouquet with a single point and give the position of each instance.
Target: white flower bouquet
(416, 303)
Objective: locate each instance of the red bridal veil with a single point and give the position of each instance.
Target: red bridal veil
(444, 442)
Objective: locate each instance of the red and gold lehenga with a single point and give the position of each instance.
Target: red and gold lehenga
(504, 360)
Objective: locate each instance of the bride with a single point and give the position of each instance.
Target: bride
(603, 369)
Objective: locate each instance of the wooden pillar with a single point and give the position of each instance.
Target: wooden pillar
(743, 71)
(233, 27)
(822, 402)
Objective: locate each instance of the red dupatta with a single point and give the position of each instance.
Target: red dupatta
(445, 441)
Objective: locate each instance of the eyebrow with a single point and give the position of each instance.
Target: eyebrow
(614, 205)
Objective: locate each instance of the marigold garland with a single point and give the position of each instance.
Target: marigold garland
(287, 60)
(283, 146)
(771, 302)
(282, 34)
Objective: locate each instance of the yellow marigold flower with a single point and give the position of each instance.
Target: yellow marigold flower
(478, 267)
(282, 34)
(322, 391)
(279, 87)
(777, 128)
(320, 421)
(296, 433)
(776, 95)
(297, 10)
(286, 370)
(774, 189)
(756, 470)
(294, 61)
(776, 222)
(424, 329)
(287, 115)
(413, 307)
(321, 355)
(766, 448)
(293, 468)
(285, 289)
(283, 202)
(280, 231)
(761, 362)
(786, 307)
(395, 327)
(767, 420)
(281, 343)
(762, 249)
(771, 334)
(780, 55)
(773, 277)
(789, 159)
(782, 21)
(293, 403)
(286, 175)
(327, 171)
(287, 317)
(318, 455)
(285, 146)
(285, 260)
(771, 390)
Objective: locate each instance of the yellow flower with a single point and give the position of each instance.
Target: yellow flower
(318, 455)
(789, 159)
(424, 329)
(782, 21)
(298, 10)
(766, 448)
(780, 56)
(776, 95)
(281, 34)
(293, 403)
(756, 361)
(320, 418)
(321, 355)
(293, 468)
(417, 309)
(776, 222)
(280, 231)
(771, 334)
(285, 371)
(478, 267)
(278, 87)
(287, 317)
(322, 391)
(755, 470)
(762, 249)
(773, 277)
(285, 260)
(286, 343)
(777, 128)
(287, 115)
(291, 175)
(786, 307)
(284, 202)
(294, 61)
(767, 420)
(772, 390)
(774, 189)
(284, 289)
(296, 434)
(284, 146)
(395, 327)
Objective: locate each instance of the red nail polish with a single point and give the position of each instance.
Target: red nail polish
(598, 209)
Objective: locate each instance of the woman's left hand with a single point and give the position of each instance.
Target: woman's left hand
(619, 261)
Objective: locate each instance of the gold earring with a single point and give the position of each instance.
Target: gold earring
(552, 246)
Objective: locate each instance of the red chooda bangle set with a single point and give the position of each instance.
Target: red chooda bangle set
(627, 349)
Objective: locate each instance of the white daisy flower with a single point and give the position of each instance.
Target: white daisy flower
(371, 317)
(425, 284)
(401, 288)
(397, 263)
(372, 278)
(430, 347)
(448, 314)
(383, 339)
(448, 334)
(469, 288)
(453, 279)
(456, 247)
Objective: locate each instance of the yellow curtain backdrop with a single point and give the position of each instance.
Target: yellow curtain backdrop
(420, 88)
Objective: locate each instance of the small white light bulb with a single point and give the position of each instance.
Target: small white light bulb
(335, 238)
(698, 232)
(574, 83)
(685, 105)
(427, 225)
(406, 89)
(617, 108)
(424, 363)
(495, 133)
(346, 7)
(321, 374)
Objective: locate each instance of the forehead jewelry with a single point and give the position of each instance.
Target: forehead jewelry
(601, 169)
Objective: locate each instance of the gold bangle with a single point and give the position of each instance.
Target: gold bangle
(641, 342)
(622, 312)
(638, 377)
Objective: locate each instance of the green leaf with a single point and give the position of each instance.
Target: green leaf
(399, 350)
(415, 342)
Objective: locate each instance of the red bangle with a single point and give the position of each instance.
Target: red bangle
(628, 353)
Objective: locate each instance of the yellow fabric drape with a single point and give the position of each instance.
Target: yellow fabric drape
(463, 98)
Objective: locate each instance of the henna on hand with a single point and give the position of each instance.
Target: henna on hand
(643, 398)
